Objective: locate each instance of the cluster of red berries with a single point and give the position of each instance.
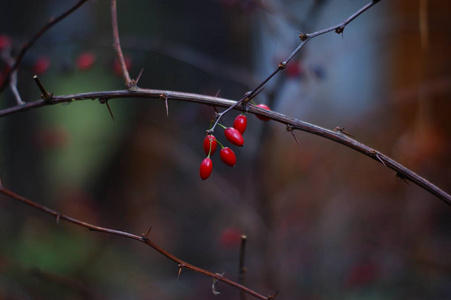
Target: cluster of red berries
(234, 135)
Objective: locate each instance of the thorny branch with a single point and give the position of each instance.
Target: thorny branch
(143, 238)
(305, 37)
(338, 136)
(117, 46)
(30, 43)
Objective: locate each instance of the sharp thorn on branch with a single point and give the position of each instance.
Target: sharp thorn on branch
(109, 109)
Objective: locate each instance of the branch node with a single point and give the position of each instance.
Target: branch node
(48, 97)
(273, 295)
(339, 29)
(164, 97)
(342, 130)
(303, 36)
(282, 65)
(58, 215)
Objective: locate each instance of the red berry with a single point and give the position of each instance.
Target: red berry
(228, 156)
(5, 41)
(210, 141)
(41, 65)
(240, 123)
(205, 168)
(85, 61)
(230, 237)
(263, 118)
(234, 136)
(294, 70)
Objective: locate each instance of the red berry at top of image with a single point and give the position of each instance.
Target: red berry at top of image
(240, 123)
(264, 106)
(210, 142)
(228, 156)
(41, 65)
(234, 136)
(205, 168)
(5, 41)
(85, 61)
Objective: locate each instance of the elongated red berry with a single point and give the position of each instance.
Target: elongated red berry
(263, 118)
(210, 141)
(240, 123)
(5, 41)
(234, 136)
(205, 168)
(85, 61)
(41, 65)
(228, 156)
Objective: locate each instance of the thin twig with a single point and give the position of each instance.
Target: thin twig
(282, 65)
(117, 46)
(9, 60)
(336, 136)
(30, 43)
(144, 239)
(242, 268)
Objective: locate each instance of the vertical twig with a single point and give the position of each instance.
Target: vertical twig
(9, 61)
(117, 46)
(242, 268)
(423, 24)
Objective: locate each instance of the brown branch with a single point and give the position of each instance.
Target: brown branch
(242, 268)
(117, 46)
(143, 239)
(33, 40)
(294, 124)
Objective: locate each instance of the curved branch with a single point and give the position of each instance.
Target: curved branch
(143, 239)
(292, 124)
(117, 46)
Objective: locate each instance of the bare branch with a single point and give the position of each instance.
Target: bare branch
(144, 239)
(117, 46)
(295, 124)
(242, 269)
(282, 65)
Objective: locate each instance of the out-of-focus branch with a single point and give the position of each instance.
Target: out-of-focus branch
(292, 124)
(143, 238)
(242, 267)
(282, 65)
(31, 42)
(9, 60)
(117, 46)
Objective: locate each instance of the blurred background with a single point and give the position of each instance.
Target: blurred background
(322, 221)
